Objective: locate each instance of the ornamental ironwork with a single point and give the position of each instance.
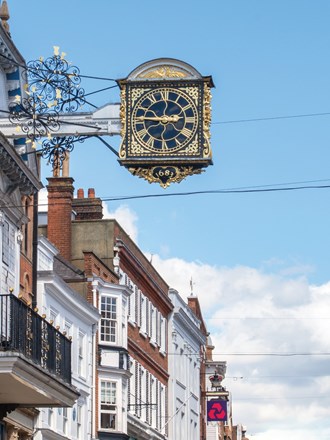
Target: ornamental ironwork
(55, 82)
(55, 149)
(53, 88)
(26, 332)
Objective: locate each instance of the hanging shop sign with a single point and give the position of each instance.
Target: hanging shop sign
(216, 410)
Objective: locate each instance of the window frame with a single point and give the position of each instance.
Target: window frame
(108, 327)
(109, 400)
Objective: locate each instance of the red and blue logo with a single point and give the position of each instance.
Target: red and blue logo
(217, 410)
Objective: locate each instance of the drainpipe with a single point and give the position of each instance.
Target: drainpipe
(35, 250)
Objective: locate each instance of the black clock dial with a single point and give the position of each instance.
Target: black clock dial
(164, 119)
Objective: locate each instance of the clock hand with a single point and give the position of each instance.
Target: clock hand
(163, 119)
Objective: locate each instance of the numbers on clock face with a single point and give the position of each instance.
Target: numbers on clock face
(164, 119)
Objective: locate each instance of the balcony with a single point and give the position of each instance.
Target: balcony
(35, 359)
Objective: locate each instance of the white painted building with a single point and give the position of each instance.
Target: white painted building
(69, 311)
(113, 369)
(184, 341)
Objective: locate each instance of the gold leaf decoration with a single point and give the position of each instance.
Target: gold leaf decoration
(163, 72)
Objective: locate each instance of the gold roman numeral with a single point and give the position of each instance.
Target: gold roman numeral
(150, 142)
(190, 119)
(186, 132)
(141, 133)
(164, 95)
(186, 107)
(152, 98)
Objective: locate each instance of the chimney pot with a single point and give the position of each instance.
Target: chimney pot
(91, 193)
(80, 193)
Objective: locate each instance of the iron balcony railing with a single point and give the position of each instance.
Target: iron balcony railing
(23, 330)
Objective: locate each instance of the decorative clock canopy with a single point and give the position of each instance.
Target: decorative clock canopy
(165, 114)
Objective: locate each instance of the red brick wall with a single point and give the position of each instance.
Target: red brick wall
(60, 194)
(140, 257)
(26, 279)
(94, 266)
(149, 356)
(87, 208)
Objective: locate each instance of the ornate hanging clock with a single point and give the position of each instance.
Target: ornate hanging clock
(165, 114)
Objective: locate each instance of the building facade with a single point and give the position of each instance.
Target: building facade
(134, 314)
(149, 308)
(35, 358)
(99, 285)
(185, 341)
(64, 308)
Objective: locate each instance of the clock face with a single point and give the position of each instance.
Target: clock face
(164, 119)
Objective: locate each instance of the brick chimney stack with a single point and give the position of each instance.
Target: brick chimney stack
(87, 208)
(60, 196)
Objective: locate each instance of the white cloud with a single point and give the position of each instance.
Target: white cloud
(125, 217)
(253, 311)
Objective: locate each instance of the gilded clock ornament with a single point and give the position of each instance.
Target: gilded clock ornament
(164, 119)
(165, 115)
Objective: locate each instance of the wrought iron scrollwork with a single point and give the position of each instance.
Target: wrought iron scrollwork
(34, 118)
(56, 82)
(52, 88)
(55, 149)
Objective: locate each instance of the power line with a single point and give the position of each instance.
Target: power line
(100, 90)
(271, 354)
(191, 193)
(99, 78)
(272, 118)
(242, 318)
(315, 396)
(274, 354)
(263, 188)
(235, 378)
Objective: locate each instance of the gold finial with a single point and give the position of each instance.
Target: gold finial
(4, 16)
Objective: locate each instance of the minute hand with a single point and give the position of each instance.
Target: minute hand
(163, 119)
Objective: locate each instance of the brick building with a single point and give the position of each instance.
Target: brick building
(123, 284)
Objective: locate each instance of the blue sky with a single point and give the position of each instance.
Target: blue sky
(267, 59)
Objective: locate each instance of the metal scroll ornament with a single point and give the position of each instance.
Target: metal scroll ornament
(52, 88)
(56, 83)
(56, 149)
